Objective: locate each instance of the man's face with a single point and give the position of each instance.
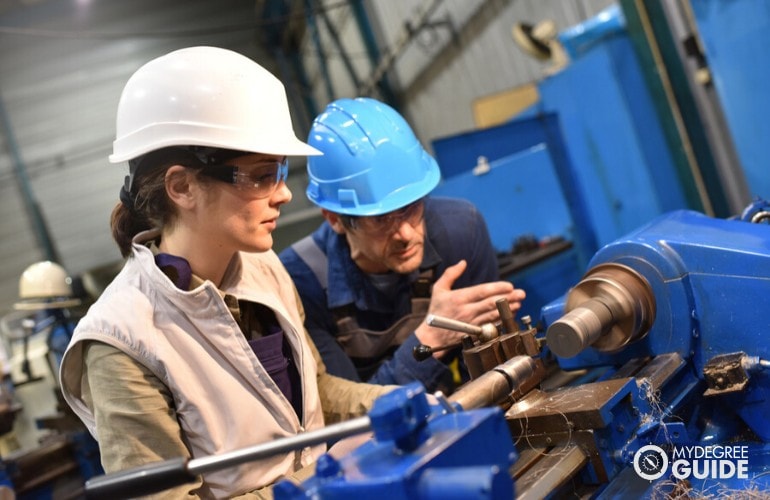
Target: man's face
(390, 242)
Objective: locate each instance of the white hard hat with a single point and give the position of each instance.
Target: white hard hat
(205, 96)
(45, 285)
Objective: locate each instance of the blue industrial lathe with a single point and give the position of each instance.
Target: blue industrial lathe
(648, 378)
(651, 380)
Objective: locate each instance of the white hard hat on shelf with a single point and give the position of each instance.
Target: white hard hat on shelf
(45, 285)
(205, 96)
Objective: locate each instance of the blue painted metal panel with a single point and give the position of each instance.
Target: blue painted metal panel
(530, 190)
(614, 138)
(458, 155)
(735, 36)
(546, 281)
(515, 188)
(521, 195)
(621, 172)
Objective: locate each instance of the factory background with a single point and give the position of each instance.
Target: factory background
(592, 125)
(64, 64)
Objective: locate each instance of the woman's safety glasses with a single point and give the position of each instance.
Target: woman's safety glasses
(261, 179)
(385, 224)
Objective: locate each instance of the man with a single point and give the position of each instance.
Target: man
(387, 254)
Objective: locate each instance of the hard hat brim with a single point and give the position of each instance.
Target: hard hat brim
(146, 140)
(33, 305)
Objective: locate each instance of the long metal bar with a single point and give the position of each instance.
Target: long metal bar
(324, 435)
(497, 385)
(451, 324)
(160, 476)
(338, 43)
(489, 389)
(372, 49)
(404, 37)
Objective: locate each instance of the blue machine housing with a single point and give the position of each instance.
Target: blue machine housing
(418, 452)
(711, 283)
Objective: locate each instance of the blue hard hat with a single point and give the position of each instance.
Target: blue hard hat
(372, 162)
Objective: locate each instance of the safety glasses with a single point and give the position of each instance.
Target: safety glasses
(261, 179)
(385, 224)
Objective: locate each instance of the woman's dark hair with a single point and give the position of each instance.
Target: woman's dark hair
(144, 203)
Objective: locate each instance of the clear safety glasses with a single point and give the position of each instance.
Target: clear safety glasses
(385, 224)
(261, 179)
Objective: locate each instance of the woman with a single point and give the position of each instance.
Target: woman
(197, 347)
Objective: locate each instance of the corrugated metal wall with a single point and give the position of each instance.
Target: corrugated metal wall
(465, 51)
(63, 64)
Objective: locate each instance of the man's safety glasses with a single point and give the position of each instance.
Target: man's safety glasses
(385, 224)
(260, 180)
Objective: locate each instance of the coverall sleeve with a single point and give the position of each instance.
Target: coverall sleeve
(135, 419)
(403, 368)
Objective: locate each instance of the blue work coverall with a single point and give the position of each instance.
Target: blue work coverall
(455, 230)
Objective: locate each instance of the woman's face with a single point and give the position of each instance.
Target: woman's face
(242, 216)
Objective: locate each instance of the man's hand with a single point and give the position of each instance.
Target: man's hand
(475, 305)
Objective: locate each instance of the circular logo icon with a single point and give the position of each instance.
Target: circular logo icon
(650, 462)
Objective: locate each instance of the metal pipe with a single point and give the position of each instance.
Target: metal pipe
(367, 35)
(156, 477)
(485, 332)
(338, 43)
(496, 385)
(42, 234)
(402, 40)
(452, 324)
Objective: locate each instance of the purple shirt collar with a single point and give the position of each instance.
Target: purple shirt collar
(176, 268)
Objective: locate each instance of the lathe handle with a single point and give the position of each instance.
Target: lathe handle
(140, 481)
(484, 333)
(452, 324)
(152, 478)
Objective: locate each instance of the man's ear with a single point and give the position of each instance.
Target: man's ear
(334, 220)
(178, 186)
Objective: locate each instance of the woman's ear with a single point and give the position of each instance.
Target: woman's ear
(335, 221)
(179, 187)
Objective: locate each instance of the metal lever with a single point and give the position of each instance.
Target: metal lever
(422, 352)
(509, 324)
(155, 477)
(485, 332)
